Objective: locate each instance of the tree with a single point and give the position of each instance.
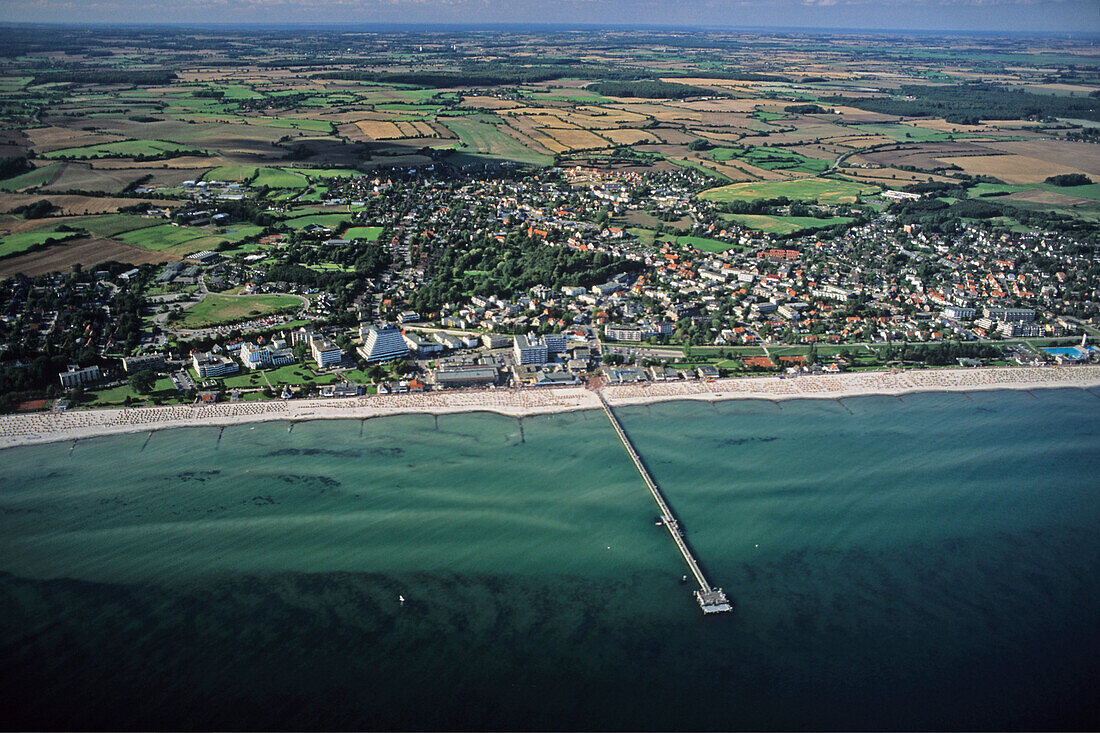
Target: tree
(143, 381)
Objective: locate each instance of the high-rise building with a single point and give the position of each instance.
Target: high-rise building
(530, 350)
(325, 352)
(382, 343)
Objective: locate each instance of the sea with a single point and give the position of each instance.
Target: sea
(929, 561)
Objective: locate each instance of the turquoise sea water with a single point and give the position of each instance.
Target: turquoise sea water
(925, 562)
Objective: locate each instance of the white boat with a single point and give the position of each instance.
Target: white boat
(400, 599)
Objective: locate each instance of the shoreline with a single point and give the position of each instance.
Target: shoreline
(40, 428)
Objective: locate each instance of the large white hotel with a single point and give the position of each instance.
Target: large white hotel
(382, 343)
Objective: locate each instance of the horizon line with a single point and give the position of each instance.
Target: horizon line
(580, 26)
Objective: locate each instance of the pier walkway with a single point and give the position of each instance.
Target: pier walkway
(711, 600)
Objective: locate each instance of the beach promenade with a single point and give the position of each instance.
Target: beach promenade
(42, 427)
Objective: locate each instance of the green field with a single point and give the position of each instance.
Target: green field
(327, 172)
(36, 177)
(772, 158)
(231, 173)
(111, 225)
(330, 221)
(1089, 191)
(123, 149)
(821, 190)
(906, 133)
(14, 244)
(162, 236)
(483, 140)
(279, 178)
(295, 124)
(238, 91)
(369, 233)
(784, 225)
(226, 308)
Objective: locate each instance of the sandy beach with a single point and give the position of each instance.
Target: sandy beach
(45, 427)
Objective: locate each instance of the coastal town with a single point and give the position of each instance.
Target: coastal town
(876, 293)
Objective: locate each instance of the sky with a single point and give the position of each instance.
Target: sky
(1075, 16)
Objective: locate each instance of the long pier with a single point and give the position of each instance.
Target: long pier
(711, 599)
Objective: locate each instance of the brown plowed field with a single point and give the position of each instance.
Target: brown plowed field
(88, 251)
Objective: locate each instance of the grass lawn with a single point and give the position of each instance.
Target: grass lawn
(371, 234)
(123, 149)
(244, 380)
(707, 245)
(223, 308)
(297, 374)
(821, 190)
(783, 225)
(115, 396)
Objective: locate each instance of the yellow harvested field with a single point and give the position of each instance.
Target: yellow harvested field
(423, 129)
(578, 139)
(379, 130)
(725, 136)
(541, 139)
(530, 142)
(482, 102)
(719, 105)
(1074, 89)
(1011, 168)
(857, 141)
(944, 126)
(732, 172)
(553, 122)
(724, 83)
(608, 113)
(1081, 156)
(441, 130)
(859, 114)
(628, 136)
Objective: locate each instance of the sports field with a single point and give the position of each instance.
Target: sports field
(369, 233)
(225, 308)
